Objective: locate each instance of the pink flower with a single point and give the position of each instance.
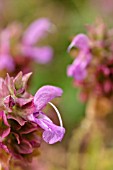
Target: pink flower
(6, 60)
(22, 122)
(92, 68)
(36, 31)
(52, 133)
(25, 45)
(81, 42)
(78, 69)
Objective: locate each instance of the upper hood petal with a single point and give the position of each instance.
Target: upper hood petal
(38, 29)
(46, 94)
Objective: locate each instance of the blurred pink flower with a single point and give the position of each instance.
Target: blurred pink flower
(36, 31)
(13, 55)
(6, 60)
(92, 68)
(78, 69)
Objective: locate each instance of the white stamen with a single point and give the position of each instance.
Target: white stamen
(58, 113)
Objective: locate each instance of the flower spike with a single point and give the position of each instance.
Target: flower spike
(21, 116)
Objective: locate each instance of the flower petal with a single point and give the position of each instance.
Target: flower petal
(24, 101)
(81, 42)
(6, 62)
(78, 68)
(46, 94)
(5, 128)
(41, 55)
(4, 147)
(76, 71)
(52, 133)
(25, 79)
(37, 30)
(17, 118)
(5, 41)
(5, 133)
(35, 140)
(28, 128)
(24, 147)
(5, 119)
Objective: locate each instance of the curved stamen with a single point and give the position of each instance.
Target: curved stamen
(58, 113)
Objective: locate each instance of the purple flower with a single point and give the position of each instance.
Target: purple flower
(22, 122)
(24, 45)
(6, 61)
(78, 69)
(52, 133)
(80, 41)
(16, 103)
(37, 30)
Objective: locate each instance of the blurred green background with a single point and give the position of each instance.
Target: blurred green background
(69, 17)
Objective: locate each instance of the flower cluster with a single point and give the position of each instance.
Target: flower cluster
(92, 68)
(16, 45)
(22, 121)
